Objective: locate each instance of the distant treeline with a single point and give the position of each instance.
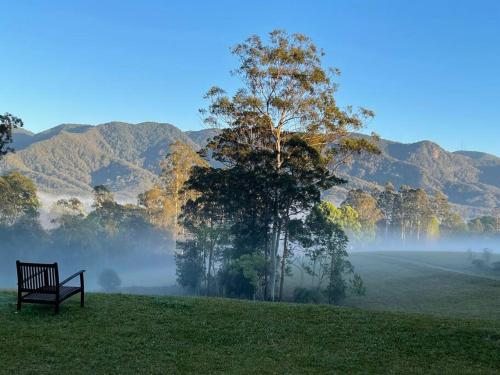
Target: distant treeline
(409, 214)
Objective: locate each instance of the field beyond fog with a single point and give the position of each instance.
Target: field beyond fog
(440, 283)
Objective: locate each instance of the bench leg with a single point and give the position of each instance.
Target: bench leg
(18, 301)
(82, 291)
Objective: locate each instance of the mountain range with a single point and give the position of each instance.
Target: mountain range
(70, 159)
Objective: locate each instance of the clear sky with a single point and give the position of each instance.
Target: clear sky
(429, 69)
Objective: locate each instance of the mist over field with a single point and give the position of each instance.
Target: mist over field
(143, 260)
(145, 270)
(47, 201)
(463, 244)
(148, 267)
(144, 263)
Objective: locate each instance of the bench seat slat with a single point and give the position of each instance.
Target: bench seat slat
(49, 296)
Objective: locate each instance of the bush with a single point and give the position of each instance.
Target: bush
(487, 256)
(357, 285)
(109, 280)
(479, 263)
(304, 295)
(495, 266)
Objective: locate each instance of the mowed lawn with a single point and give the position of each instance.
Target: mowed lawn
(123, 334)
(438, 283)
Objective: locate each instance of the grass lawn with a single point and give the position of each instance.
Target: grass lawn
(436, 283)
(126, 334)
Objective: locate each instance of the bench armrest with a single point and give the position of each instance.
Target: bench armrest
(71, 277)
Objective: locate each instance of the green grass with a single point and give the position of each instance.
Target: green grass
(458, 261)
(439, 283)
(123, 334)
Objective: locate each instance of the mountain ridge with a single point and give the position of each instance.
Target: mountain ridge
(70, 159)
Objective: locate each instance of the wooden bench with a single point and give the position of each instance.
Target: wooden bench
(39, 283)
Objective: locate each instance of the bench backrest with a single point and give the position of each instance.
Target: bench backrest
(37, 277)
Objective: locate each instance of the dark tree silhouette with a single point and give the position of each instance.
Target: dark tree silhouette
(8, 123)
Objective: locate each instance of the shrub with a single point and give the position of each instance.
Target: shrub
(357, 285)
(479, 263)
(109, 280)
(304, 295)
(495, 266)
(487, 256)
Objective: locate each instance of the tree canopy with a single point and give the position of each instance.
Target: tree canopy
(282, 136)
(8, 123)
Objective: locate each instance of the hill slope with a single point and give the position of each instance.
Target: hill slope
(130, 335)
(470, 181)
(71, 158)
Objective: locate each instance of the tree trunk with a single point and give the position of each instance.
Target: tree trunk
(332, 279)
(274, 253)
(210, 260)
(205, 271)
(266, 269)
(387, 227)
(283, 264)
(313, 273)
(276, 224)
(176, 206)
(270, 255)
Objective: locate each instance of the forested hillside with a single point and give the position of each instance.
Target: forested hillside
(70, 159)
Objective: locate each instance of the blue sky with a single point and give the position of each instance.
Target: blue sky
(429, 69)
